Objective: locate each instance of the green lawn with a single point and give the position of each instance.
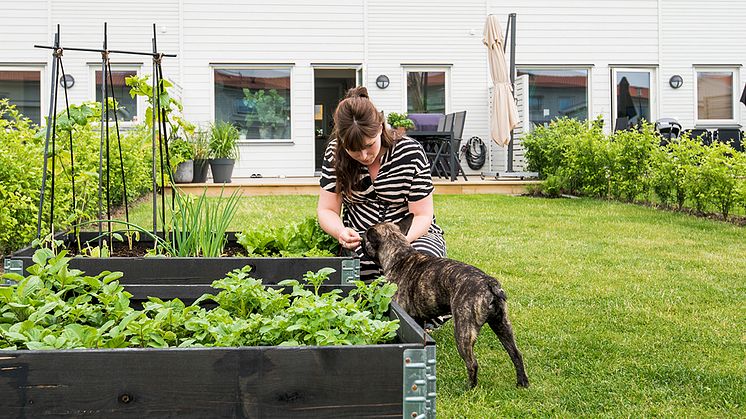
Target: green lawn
(620, 310)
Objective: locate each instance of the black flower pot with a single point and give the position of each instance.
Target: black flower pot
(222, 170)
(200, 170)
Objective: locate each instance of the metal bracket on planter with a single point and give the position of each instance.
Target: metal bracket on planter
(419, 383)
(14, 266)
(350, 270)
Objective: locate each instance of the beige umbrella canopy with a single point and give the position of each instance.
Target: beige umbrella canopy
(504, 111)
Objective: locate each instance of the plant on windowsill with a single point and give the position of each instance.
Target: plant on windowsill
(400, 122)
(269, 110)
(223, 150)
(181, 154)
(201, 150)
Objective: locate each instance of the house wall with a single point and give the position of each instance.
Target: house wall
(381, 36)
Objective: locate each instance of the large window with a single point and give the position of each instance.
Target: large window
(257, 100)
(634, 94)
(554, 93)
(426, 91)
(715, 95)
(23, 88)
(118, 89)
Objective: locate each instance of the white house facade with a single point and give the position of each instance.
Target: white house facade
(277, 68)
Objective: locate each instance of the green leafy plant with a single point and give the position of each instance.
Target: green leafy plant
(200, 141)
(399, 120)
(180, 150)
(269, 110)
(55, 307)
(304, 238)
(142, 86)
(224, 140)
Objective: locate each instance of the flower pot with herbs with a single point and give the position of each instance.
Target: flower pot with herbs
(201, 150)
(400, 122)
(223, 150)
(181, 154)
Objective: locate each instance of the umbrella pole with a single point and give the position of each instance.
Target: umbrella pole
(511, 27)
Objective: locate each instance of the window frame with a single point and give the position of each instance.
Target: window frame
(423, 68)
(654, 103)
(551, 67)
(42, 69)
(734, 70)
(257, 66)
(139, 100)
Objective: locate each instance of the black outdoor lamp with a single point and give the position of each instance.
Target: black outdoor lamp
(382, 81)
(675, 81)
(67, 81)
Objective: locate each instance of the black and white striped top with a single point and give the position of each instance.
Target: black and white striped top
(404, 177)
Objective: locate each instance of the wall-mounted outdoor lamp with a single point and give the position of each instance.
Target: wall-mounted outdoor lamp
(676, 81)
(382, 81)
(67, 81)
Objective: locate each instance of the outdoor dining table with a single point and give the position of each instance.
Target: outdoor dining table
(436, 144)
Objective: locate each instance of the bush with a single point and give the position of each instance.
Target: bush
(21, 162)
(576, 157)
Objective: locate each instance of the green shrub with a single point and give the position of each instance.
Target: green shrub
(21, 162)
(630, 155)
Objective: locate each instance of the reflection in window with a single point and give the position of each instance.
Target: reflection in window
(255, 100)
(23, 88)
(556, 93)
(633, 96)
(426, 92)
(118, 89)
(714, 95)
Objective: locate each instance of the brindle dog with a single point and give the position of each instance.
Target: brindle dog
(430, 286)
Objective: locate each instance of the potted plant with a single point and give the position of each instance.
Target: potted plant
(181, 155)
(400, 122)
(201, 155)
(223, 150)
(269, 110)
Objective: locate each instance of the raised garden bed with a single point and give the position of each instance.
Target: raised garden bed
(160, 275)
(393, 380)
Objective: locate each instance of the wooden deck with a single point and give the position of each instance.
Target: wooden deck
(310, 186)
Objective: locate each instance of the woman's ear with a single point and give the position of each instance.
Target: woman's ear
(405, 223)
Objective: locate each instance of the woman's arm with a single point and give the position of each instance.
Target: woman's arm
(423, 217)
(328, 210)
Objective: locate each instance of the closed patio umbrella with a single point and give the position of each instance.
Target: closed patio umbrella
(504, 111)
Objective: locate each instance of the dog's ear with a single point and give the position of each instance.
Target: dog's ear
(371, 240)
(405, 223)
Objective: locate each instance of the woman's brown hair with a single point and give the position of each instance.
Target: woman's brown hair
(355, 120)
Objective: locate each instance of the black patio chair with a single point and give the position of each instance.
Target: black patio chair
(447, 159)
(704, 135)
(732, 136)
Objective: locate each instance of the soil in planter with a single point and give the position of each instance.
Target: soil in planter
(140, 249)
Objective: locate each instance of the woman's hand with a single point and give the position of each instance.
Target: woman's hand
(349, 239)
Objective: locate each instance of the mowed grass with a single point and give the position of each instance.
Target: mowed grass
(619, 310)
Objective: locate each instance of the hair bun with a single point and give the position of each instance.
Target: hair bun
(359, 91)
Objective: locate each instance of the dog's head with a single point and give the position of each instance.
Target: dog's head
(382, 236)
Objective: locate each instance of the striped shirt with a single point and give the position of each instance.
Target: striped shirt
(404, 176)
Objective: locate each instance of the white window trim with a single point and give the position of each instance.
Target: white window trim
(654, 110)
(293, 101)
(589, 84)
(43, 86)
(141, 101)
(735, 93)
(426, 68)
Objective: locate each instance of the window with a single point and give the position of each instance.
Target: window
(256, 100)
(127, 107)
(633, 94)
(426, 91)
(555, 93)
(23, 87)
(715, 95)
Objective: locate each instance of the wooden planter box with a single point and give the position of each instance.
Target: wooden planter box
(150, 272)
(386, 380)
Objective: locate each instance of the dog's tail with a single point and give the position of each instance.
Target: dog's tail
(497, 290)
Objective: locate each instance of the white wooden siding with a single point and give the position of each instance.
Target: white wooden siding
(383, 35)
